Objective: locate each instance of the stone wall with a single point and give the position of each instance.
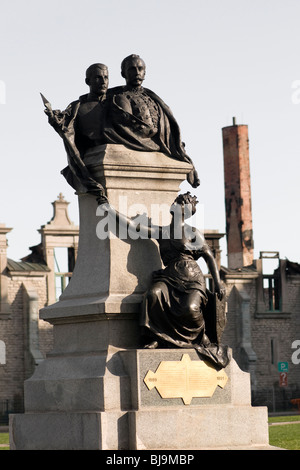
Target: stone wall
(15, 332)
(268, 337)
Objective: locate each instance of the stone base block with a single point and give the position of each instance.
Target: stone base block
(102, 401)
(199, 428)
(69, 431)
(161, 429)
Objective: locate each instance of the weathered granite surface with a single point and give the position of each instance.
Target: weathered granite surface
(89, 392)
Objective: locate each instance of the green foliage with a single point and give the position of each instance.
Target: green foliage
(284, 419)
(286, 436)
(4, 439)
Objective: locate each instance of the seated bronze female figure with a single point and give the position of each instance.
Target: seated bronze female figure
(177, 309)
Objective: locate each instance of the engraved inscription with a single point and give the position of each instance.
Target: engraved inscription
(185, 379)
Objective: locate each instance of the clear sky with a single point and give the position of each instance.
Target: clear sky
(208, 60)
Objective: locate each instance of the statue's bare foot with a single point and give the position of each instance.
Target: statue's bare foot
(152, 345)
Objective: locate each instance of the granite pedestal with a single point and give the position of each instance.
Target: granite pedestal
(89, 392)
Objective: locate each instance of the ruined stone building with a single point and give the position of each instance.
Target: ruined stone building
(263, 306)
(263, 303)
(26, 286)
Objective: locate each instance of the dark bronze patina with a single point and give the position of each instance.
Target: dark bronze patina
(81, 128)
(178, 310)
(139, 119)
(130, 115)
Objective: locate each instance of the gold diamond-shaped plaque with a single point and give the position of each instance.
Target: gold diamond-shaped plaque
(185, 379)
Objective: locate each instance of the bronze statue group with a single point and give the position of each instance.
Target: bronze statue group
(178, 310)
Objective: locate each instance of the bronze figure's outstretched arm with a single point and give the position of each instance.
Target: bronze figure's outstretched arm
(145, 230)
(212, 266)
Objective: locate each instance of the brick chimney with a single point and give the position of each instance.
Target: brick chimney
(237, 195)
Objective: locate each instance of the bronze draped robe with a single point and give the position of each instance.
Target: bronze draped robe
(166, 315)
(167, 140)
(120, 129)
